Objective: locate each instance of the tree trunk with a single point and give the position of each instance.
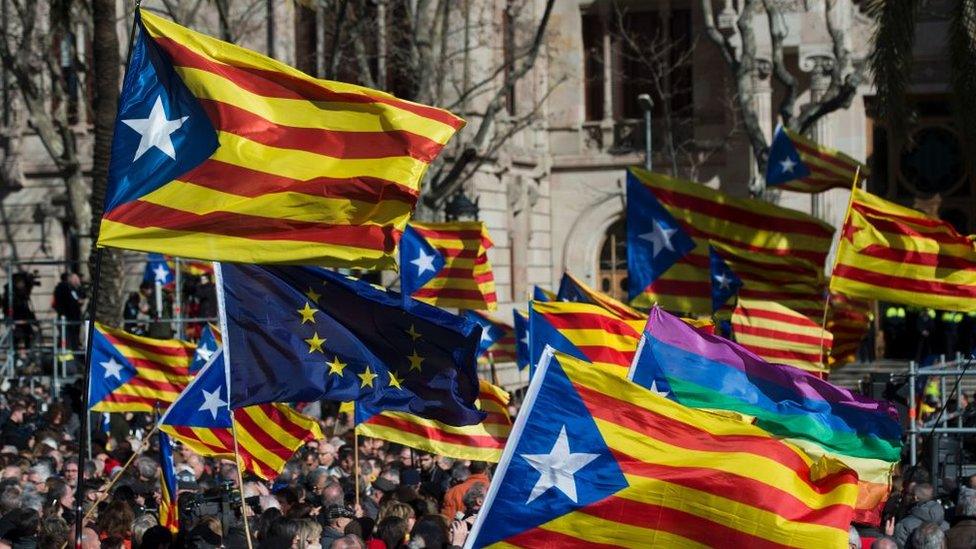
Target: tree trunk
(105, 66)
(305, 40)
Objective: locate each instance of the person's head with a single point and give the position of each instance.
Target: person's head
(146, 468)
(17, 413)
(425, 460)
(140, 526)
(332, 494)
(474, 498)
(346, 459)
(308, 536)
(157, 537)
(146, 288)
(350, 541)
(884, 542)
(70, 471)
(922, 492)
(966, 507)
(381, 487)
(316, 481)
(116, 519)
(59, 493)
(432, 529)
(10, 499)
(338, 517)
(38, 476)
(53, 532)
(853, 538)
(392, 530)
(928, 536)
(459, 473)
(478, 467)
(287, 498)
(326, 454)
(74, 280)
(197, 464)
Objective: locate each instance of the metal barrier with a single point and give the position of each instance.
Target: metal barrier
(956, 370)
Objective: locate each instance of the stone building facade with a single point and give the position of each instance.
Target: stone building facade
(553, 197)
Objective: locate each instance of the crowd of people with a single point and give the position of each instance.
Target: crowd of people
(406, 498)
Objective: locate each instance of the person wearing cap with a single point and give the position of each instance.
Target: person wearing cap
(334, 520)
(379, 488)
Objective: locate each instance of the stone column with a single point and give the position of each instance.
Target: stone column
(820, 67)
(762, 101)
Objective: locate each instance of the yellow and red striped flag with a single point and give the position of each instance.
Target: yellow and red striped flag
(791, 282)
(131, 373)
(466, 280)
(585, 331)
(849, 320)
(598, 461)
(573, 289)
(750, 226)
(899, 255)
(222, 153)
(267, 434)
(482, 442)
(781, 335)
(802, 165)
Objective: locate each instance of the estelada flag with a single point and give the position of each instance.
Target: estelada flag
(802, 165)
(482, 442)
(222, 153)
(597, 461)
(131, 373)
(896, 254)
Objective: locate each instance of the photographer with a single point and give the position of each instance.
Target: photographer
(68, 297)
(20, 312)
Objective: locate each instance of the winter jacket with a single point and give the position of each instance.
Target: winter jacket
(963, 534)
(928, 511)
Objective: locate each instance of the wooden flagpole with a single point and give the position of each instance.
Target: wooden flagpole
(240, 477)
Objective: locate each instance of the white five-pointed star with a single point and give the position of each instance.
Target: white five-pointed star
(161, 273)
(724, 282)
(485, 336)
(654, 389)
(212, 402)
(787, 165)
(204, 354)
(423, 262)
(155, 130)
(557, 468)
(660, 238)
(112, 369)
(525, 339)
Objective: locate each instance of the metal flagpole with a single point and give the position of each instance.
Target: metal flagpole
(85, 434)
(85, 413)
(355, 465)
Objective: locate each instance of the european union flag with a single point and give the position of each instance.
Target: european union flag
(655, 240)
(419, 263)
(725, 283)
(158, 270)
(489, 332)
(299, 334)
(521, 323)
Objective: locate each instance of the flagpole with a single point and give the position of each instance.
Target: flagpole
(355, 465)
(85, 435)
(847, 217)
(240, 477)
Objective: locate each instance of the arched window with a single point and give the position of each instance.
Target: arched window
(612, 276)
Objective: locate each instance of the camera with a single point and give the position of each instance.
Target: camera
(223, 502)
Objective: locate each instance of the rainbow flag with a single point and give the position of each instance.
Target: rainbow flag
(168, 510)
(573, 289)
(466, 280)
(705, 371)
(597, 461)
(779, 334)
(709, 216)
(482, 442)
(223, 153)
(899, 255)
(849, 320)
(131, 373)
(585, 331)
(801, 165)
(267, 434)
